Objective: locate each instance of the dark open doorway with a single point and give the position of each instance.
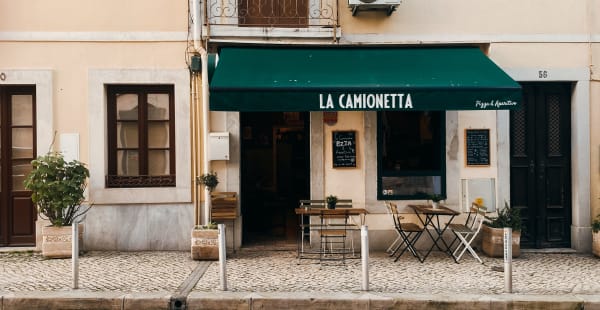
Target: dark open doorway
(275, 174)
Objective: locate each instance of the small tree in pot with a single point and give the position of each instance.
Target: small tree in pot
(492, 233)
(596, 236)
(57, 188)
(209, 180)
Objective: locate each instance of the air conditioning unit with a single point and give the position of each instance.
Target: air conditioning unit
(387, 5)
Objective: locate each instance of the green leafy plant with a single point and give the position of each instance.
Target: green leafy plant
(211, 225)
(57, 188)
(596, 224)
(332, 199)
(437, 197)
(209, 180)
(507, 217)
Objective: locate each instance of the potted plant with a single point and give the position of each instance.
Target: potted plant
(596, 236)
(57, 189)
(493, 233)
(209, 180)
(331, 201)
(435, 200)
(205, 242)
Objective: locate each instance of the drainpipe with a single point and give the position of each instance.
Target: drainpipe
(196, 25)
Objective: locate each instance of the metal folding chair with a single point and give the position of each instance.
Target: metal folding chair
(408, 233)
(334, 231)
(466, 233)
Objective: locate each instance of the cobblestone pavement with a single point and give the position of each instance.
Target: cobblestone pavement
(98, 271)
(532, 274)
(279, 271)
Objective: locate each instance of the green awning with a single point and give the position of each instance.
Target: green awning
(339, 79)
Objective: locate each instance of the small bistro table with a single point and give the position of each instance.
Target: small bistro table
(321, 212)
(430, 217)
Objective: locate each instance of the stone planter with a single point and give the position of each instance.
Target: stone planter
(492, 242)
(205, 244)
(596, 243)
(57, 241)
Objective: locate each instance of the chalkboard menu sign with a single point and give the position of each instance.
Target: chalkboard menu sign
(344, 149)
(477, 147)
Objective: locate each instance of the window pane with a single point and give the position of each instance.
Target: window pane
(127, 107)
(411, 185)
(411, 141)
(411, 154)
(20, 169)
(22, 110)
(158, 135)
(158, 106)
(128, 163)
(22, 142)
(158, 162)
(127, 133)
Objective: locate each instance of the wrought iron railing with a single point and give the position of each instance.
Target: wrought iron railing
(273, 13)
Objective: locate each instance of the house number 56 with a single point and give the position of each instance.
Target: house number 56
(543, 74)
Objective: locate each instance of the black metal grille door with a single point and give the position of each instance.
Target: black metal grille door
(540, 164)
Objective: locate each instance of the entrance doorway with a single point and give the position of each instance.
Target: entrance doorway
(17, 149)
(275, 174)
(540, 164)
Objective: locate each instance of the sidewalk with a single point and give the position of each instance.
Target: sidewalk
(259, 279)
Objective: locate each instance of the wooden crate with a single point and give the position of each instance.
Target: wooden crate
(224, 206)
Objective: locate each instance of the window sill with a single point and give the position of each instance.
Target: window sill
(233, 31)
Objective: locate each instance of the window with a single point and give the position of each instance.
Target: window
(141, 147)
(411, 159)
(268, 13)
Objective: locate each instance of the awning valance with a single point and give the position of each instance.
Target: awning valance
(337, 79)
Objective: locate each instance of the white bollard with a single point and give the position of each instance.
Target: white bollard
(507, 260)
(222, 257)
(75, 254)
(364, 255)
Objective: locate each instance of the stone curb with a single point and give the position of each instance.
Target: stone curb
(293, 300)
(83, 300)
(361, 301)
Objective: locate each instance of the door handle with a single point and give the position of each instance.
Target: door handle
(531, 167)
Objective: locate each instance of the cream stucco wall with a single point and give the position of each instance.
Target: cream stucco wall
(93, 16)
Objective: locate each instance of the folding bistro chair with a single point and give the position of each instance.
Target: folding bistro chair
(408, 233)
(466, 233)
(334, 231)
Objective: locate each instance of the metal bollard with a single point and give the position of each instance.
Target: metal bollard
(507, 260)
(222, 257)
(364, 255)
(75, 254)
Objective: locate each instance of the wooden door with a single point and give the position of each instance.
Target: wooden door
(17, 149)
(540, 164)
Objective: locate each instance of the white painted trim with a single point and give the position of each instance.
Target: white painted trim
(42, 79)
(553, 74)
(468, 38)
(98, 79)
(94, 36)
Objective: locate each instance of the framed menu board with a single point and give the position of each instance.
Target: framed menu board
(477, 147)
(344, 149)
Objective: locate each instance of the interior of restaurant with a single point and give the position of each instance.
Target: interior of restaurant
(275, 174)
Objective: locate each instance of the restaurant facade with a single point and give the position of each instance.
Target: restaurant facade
(291, 100)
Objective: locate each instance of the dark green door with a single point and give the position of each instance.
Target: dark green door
(540, 164)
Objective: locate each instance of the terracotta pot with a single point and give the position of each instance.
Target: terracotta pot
(492, 242)
(596, 243)
(57, 241)
(205, 244)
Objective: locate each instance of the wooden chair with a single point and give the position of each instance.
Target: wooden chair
(467, 232)
(408, 233)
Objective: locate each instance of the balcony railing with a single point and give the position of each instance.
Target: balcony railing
(273, 13)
